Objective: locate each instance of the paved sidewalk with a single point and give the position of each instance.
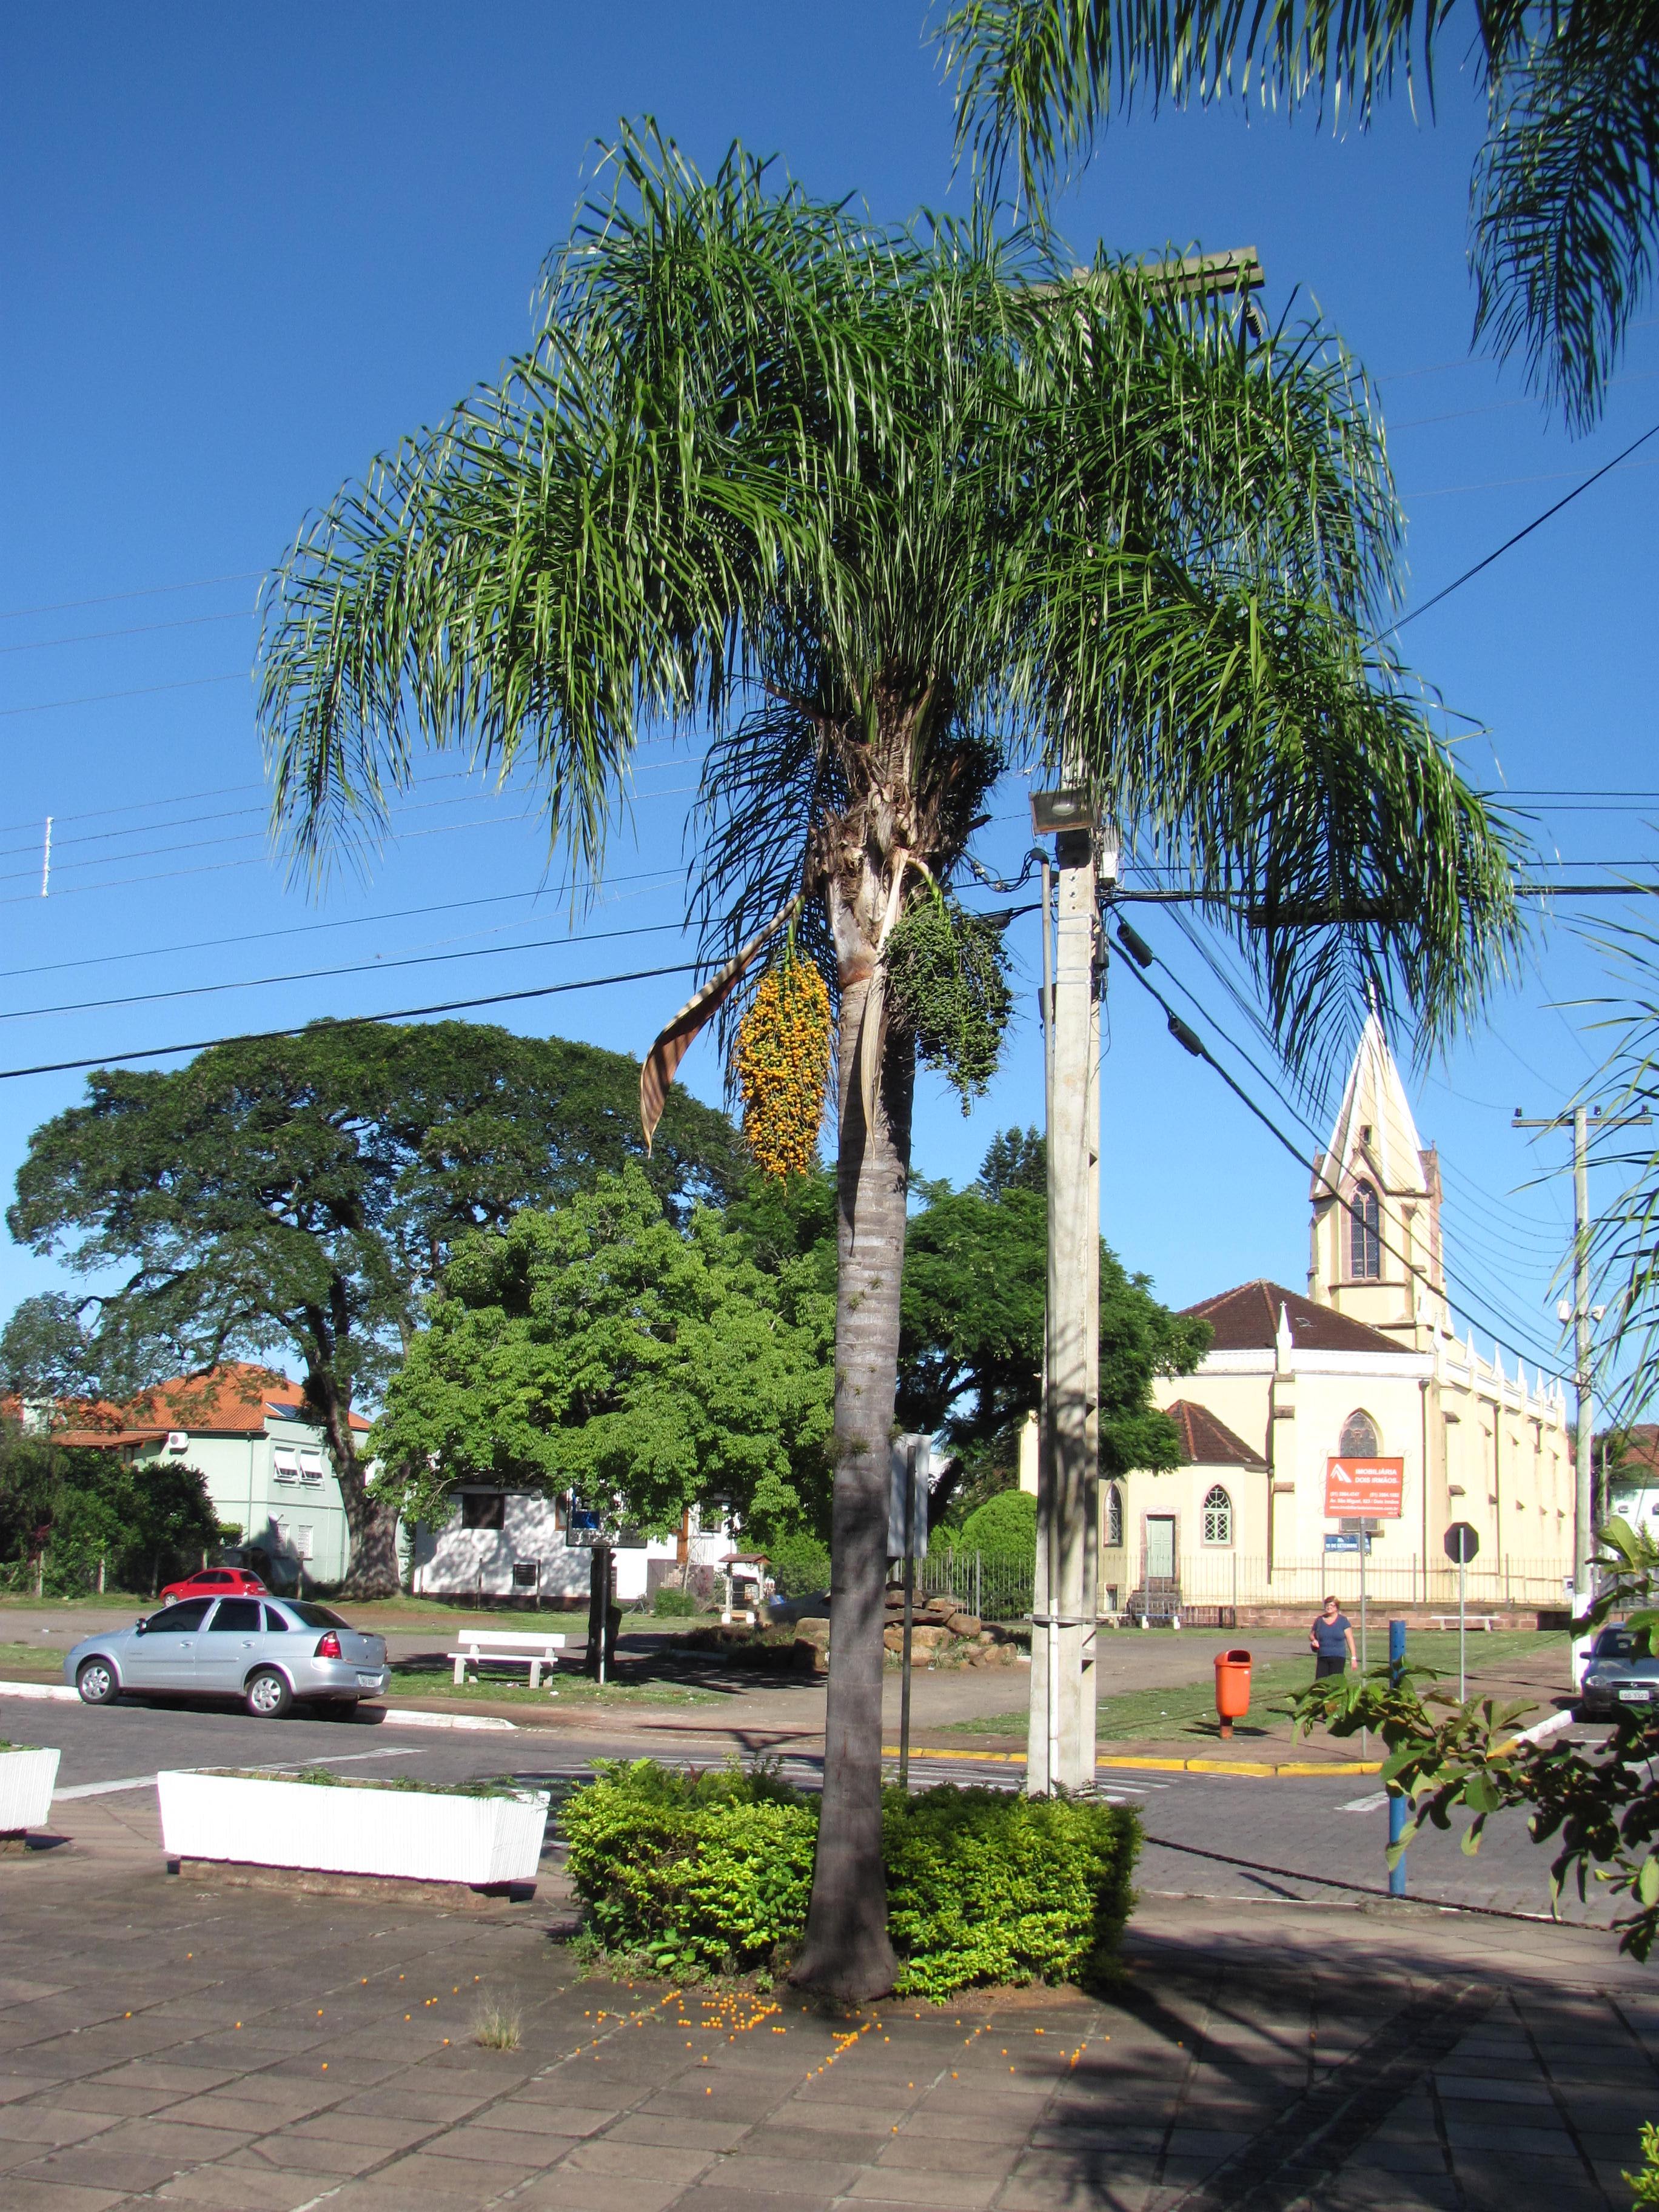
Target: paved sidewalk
(166, 2041)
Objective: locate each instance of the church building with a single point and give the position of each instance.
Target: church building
(1364, 1370)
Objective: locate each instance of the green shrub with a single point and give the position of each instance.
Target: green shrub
(699, 1872)
(671, 1604)
(1004, 1527)
(714, 1871)
(800, 1566)
(1646, 2183)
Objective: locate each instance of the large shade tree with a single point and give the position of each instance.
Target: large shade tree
(884, 513)
(1564, 205)
(294, 1197)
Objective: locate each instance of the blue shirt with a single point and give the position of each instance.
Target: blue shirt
(1332, 1637)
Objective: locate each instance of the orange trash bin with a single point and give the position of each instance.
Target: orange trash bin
(1232, 1687)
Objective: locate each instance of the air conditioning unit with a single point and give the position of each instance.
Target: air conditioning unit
(177, 1441)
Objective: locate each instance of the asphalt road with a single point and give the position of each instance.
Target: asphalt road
(1289, 1832)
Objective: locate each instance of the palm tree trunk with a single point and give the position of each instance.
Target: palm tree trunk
(847, 1953)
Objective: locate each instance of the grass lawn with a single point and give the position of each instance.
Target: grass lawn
(574, 1689)
(39, 1655)
(1189, 1708)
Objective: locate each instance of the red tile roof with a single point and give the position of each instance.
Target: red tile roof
(231, 1400)
(1207, 1441)
(1247, 1320)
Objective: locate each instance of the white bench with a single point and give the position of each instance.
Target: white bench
(513, 1647)
(1486, 1621)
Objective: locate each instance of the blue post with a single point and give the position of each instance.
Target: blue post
(1398, 1807)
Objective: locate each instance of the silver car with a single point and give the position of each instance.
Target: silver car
(265, 1650)
(1621, 1676)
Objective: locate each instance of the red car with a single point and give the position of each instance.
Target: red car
(212, 1582)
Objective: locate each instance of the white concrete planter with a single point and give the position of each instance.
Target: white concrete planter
(27, 1781)
(411, 1835)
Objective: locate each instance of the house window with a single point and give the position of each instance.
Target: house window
(1217, 1517)
(311, 1464)
(1113, 1517)
(1365, 1241)
(484, 1508)
(1360, 1438)
(285, 1463)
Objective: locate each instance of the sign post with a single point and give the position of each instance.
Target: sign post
(907, 1540)
(1463, 1542)
(1397, 1802)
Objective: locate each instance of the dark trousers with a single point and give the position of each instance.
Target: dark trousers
(1323, 1667)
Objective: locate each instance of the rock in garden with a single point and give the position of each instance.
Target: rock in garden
(963, 1623)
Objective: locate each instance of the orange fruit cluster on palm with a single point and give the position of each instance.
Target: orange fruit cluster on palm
(783, 1066)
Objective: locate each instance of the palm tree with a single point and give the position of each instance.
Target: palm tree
(884, 512)
(1564, 200)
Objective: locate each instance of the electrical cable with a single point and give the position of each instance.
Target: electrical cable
(150, 592)
(346, 1021)
(142, 691)
(378, 966)
(139, 629)
(1537, 523)
(1194, 1044)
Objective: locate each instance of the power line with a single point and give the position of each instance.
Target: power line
(150, 592)
(142, 691)
(380, 966)
(348, 1021)
(140, 629)
(1537, 523)
(1187, 1037)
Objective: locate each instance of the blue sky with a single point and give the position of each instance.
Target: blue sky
(247, 249)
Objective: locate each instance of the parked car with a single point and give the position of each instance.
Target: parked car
(213, 1582)
(785, 1612)
(1620, 1675)
(266, 1651)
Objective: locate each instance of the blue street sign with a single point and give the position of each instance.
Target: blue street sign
(1351, 1544)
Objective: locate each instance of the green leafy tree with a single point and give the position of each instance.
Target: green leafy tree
(74, 1508)
(603, 1349)
(970, 1351)
(883, 512)
(1564, 202)
(293, 1198)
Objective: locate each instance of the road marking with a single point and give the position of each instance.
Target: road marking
(102, 1789)
(144, 1781)
(336, 1759)
(1373, 1804)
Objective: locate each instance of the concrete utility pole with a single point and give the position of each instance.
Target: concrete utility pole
(1061, 1746)
(1581, 1121)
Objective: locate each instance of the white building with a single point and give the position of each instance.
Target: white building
(515, 1543)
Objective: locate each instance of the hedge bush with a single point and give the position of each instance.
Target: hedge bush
(1004, 1527)
(799, 1565)
(713, 1872)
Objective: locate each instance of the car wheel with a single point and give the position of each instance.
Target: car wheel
(268, 1696)
(97, 1683)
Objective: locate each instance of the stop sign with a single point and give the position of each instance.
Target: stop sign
(1463, 1542)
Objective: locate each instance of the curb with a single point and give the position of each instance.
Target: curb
(1253, 1767)
(414, 1718)
(56, 1692)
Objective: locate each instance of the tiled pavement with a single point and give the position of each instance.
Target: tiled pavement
(163, 2041)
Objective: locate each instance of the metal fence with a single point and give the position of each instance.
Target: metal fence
(996, 1589)
(1220, 1578)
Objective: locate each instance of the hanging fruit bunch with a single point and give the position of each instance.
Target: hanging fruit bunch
(947, 983)
(783, 1066)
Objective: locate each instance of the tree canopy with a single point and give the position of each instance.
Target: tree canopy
(603, 1349)
(970, 1356)
(293, 1198)
(70, 1509)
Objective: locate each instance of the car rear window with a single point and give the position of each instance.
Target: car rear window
(314, 1616)
(277, 1624)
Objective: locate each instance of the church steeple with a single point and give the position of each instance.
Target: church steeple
(1378, 1255)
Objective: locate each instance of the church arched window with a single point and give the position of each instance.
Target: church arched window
(1360, 1438)
(1365, 1240)
(1217, 1517)
(1113, 1517)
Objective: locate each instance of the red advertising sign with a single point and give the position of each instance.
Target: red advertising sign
(1368, 1487)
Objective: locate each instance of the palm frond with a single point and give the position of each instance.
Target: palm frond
(1566, 199)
